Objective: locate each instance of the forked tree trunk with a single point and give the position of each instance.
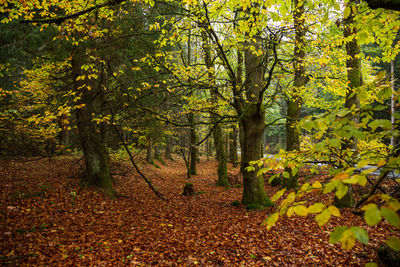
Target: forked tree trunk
(95, 151)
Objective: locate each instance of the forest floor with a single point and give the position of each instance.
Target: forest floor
(48, 219)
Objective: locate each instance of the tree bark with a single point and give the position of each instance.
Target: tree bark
(294, 101)
(253, 123)
(193, 153)
(354, 76)
(233, 145)
(193, 149)
(168, 152)
(217, 133)
(95, 151)
(392, 103)
(149, 153)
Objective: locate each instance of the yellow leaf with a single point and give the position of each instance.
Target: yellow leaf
(381, 163)
(348, 240)
(271, 221)
(316, 207)
(362, 163)
(290, 212)
(301, 210)
(317, 185)
(341, 176)
(323, 217)
(334, 211)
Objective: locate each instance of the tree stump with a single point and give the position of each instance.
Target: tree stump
(188, 190)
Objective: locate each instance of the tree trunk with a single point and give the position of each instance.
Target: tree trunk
(193, 153)
(192, 149)
(94, 149)
(168, 152)
(149, 154)
(221, 157)
(233, 145)
(254, 195)
(294, 100)
(253, 122)
(157, 152)
(354, 76)
(217, 133)
(392, 103)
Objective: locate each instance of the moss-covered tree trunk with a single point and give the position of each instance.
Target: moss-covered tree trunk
(94, 149)
(294, 100)
(354, 76)
(254, 195)
(253, 123)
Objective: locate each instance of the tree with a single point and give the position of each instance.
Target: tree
(294, 101)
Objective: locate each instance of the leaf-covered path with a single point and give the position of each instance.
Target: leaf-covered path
(47, 219)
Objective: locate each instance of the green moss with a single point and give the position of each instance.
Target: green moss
(236, 203)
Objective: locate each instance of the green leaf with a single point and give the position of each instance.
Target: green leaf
(330, 186)
(323, 217)
(334, 211)
(362, 163)
(301, 210)
(372, 214)
(278, 195)
(341, 190)
(348, 240)
(271, 221)
(316, 207)
(346, 12)
(336, 235)
(360, 234)
(371, 264)
(335, 143)
(391, 216)
(394, 243)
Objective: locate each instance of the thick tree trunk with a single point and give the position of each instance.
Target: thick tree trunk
(294, 100)
(253, 123)
(94, 149)
(354, 76)
(254, 195)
